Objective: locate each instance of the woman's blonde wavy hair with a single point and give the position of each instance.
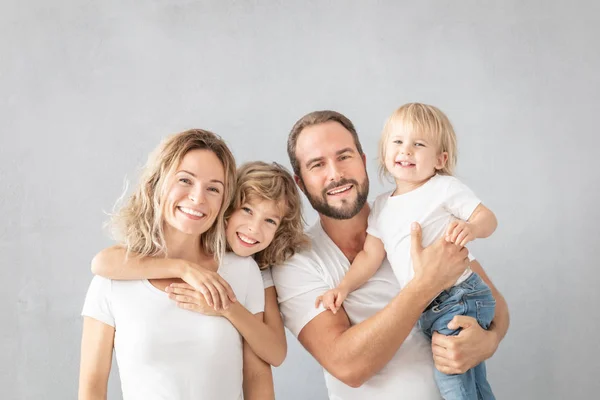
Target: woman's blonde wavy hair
(138, 224)
(427, 120)
(261, 181)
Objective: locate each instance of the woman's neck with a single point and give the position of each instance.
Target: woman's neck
(184, 246)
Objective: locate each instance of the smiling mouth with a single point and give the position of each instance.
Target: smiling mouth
(339, 190)
(246, 239)
(190, 212)
(405, 164)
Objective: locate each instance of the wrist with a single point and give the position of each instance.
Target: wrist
(231, 311)
(181, 269)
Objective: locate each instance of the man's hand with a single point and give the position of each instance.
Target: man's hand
(332, 299)
(190, 299)
(438, 265)
(457, 354)
(216, 291)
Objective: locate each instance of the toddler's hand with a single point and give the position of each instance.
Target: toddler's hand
(332, 299)
(460, 233)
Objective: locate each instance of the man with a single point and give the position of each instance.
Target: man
(370, 348)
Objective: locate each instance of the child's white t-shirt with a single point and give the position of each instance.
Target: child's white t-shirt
(267, 277)
(165, 352)
(433, 205)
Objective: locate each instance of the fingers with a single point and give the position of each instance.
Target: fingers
(339, 300)
(318, 301)
(228, 289)
(450, 230)
(416, 245)
(216, 298)
(223, 296)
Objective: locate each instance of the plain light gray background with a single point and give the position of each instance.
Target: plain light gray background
(87, 89)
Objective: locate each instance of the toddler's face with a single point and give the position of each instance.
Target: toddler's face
(251, 228)
(411, 157)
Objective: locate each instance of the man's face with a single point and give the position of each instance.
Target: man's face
(332, 172)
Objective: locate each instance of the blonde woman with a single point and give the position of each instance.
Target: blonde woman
(163, 351)
(265, 222)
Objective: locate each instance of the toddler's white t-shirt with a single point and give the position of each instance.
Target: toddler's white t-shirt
(433, 205)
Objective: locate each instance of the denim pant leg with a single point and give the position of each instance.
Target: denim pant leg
(473, 298)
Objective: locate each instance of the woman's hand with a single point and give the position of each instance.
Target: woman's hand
(190, 299)
(216, 291)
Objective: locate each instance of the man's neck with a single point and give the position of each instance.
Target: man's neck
(348, 234)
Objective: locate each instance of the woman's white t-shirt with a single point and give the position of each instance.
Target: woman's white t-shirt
(164, 352)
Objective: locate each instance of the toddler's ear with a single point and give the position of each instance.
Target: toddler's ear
(442, 159)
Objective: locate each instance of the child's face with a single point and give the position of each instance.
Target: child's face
(251, 228)
(411, 157)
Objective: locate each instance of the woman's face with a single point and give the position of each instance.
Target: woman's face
(194, 194)
(251, 228)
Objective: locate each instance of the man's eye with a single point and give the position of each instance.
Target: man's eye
(316, 166)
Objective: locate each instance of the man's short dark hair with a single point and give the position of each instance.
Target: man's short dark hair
(316, 118)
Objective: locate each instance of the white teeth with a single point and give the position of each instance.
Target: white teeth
(336, 191)
(191, 212)
(405, 163)
(246, 239)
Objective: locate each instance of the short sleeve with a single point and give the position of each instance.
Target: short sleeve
(255, 295)
(267, 277)
(460, 201)
(298, 285)
(97, 301)
(373, 228)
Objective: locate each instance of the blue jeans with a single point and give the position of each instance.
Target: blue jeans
(474, 299)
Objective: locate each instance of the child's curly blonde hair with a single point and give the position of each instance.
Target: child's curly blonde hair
(261, 181)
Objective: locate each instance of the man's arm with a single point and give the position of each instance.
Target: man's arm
(258, 379)
(354, 354)
(457, 354)
(113, 263)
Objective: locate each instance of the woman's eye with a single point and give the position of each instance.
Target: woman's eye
(185, 180)
(214, 189)
(271, 221)
(247, 210)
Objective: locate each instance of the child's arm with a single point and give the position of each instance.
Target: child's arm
(267, 339)
(481, 224)
(363, 267)
(112, 263)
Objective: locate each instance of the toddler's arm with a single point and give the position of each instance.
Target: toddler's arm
(481, 224)
(363, 267)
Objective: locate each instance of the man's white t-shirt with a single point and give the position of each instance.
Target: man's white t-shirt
(310, 273)
(165, 352)
(434, 205)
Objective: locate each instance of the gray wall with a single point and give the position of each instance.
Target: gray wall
(87, 89)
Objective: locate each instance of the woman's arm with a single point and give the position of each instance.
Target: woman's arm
(258, 379)
(96, 358)
(113, 263)
(266, 339)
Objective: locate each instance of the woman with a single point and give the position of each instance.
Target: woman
(163, 351)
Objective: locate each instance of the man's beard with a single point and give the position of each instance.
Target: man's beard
(319, 203)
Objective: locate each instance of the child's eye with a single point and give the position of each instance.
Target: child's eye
(419, 144)
(214, 189)
(247, 210)
(397, 141)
